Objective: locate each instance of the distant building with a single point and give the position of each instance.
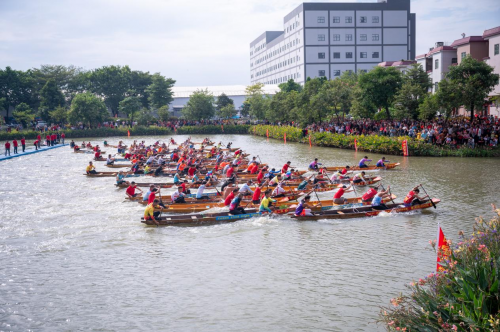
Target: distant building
(402, 66)
(235, 92)
(326, 39)
(492, 36)
(437, 62)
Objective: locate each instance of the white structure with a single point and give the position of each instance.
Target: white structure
(493, 59)
(326, 39)
(235, 92)
(437, 62)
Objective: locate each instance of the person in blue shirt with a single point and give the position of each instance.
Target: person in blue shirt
(177, 179)
(377, 199)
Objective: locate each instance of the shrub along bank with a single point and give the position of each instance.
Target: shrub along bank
(376, 144)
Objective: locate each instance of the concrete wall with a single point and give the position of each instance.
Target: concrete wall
(395, 18)
(395, 53)
(494, 61)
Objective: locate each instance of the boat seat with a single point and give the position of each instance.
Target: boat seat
(169, 218)
(340, 212)
(194, 217)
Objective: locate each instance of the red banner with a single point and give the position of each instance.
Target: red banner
(284, 137)
(310, 144)
(267, 133)
(128, 133)
(443, 249)
(356, 145)
(405, 148)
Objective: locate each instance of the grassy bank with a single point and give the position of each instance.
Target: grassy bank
(135, 131)
(376, 144)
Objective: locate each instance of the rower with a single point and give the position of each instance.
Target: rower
(91, 168)
(230, 196)
(285, 167)
(279, 191)
(177, 179)
(97, 155)
(232, 179)
(314, 165)
(337, 176)
(131, 190)
(152, 197)
(377, 203)
(363, 161)
(257, 193)
(234, 207)
(145, 198)
(345, 170)
(381, 163)
(120, 179)
(151, 214)
(306, 184)
(178, 196)
(260, 176)
(185, 186)
(413, 199)
(201, 188)
(266, 202)
(159, 171)
(150, 160)
(72, 144)
(338, 196)
(369, 194)
(274, 181)
(301, 209)
(358, 178)
(110, 160)
(245, 189)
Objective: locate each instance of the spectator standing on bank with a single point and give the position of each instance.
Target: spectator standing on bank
(63, 137)
(14, 143)
(7, 148)
(23, 143)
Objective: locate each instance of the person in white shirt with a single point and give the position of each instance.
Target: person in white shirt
(279, 191)
(161, 161)
(178, 196)
(199, 193)
(150, 160)
(110, 160)
(245, 189)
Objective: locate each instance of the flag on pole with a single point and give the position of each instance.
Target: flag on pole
(267, 133)
(128, 133)
(443, 249)
(356, 145)
(285, 138)
(405, 148)
(310, 144)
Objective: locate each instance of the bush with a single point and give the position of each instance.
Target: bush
(463, 297)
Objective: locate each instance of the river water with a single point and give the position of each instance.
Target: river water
(74, 255)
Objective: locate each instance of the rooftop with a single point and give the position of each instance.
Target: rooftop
(229, 90)
(435, 50)
(491, 32)
(467, 40)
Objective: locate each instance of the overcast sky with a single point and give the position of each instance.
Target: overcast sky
(196, 42)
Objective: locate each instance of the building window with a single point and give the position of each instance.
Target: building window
(375, 37)
(321, 73)
(348, 19)
(463, 55)
(336, 19)
(362, 37)
(321, 37)
(336, 73)
(453, 60)
(497, 49)
(336, 37)
(336, 55)
(348, 55)
(363, 19)
(321, 19)
(375, 19)
(321, 55)
(363, 55)
(436, 64)
(348, 37)
(375, 55)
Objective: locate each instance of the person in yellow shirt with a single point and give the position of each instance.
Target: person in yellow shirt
(266, 202)
(151, 214)
(91, 168)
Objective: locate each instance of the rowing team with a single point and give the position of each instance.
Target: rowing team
(315, 165)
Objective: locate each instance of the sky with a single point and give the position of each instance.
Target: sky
(195, 42)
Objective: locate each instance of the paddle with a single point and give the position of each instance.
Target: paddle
(434, 205)
(389, 192)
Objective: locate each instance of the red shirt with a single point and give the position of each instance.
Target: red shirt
(53, 137)
(339, 193)
(7, 145)
(344, 171)
(151, 197)
(260, 176)
(39, 137)
(23, 141)
(410, 197)
(229, 172)
(63, 136)
(183, 185)
(254, 169)
(256, 194)
(228, 199)
(14, 142)
(369, 194)
(47, 137)
(131, 190)
(97, 154)
(191, 171)
(285, 168)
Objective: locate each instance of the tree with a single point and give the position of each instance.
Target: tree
(310, 108)
(449, 97)
(160, 91)
(408, 100)
(111, 83)
(145, 117)
(65, 78)
(283, 106)
(88, 109)
(130, 106)
(416, 75)
(475, 80)
(200, 106)
(59, 115)
(379, 87)
(16, 87)
(164, 113)
(140, 81)
(428, 108)
(290, 86)
(257, 102)
(245, 109)
(223, 101)
(23, 114)
(227, 112)
(51, 96)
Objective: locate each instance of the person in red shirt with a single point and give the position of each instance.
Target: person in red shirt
(23, 143)
(53, 139)
(47, 140)
(36, 144)
(257, 193)
(337, 197)
(191, 170)
(63, 136)
(38, 140)
(367, 197)
(345, 170)
(230, 197)
(285, 167)
(97, 155)
(7, 148)
(185, 187)
(261, 174)
(14, 143)
(413, 199)
(254, 169)
(131, 190)
(230, 171)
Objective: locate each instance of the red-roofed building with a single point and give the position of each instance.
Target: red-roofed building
(402, 65)
(476, 46)
(437, 62)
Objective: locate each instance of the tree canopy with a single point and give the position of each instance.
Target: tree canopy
(200, 106)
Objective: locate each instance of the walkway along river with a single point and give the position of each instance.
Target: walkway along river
(75, 255)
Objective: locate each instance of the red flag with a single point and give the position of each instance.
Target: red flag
(285, 138)
(310, 144)
(222, 126)
(128, 132)
(443, 249)
(356, 145)
(405, 148)
(267, 133)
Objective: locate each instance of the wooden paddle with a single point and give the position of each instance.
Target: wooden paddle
(434, 205)
(389, 193)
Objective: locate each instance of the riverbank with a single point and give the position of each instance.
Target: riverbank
(375, 144)
(135, 131)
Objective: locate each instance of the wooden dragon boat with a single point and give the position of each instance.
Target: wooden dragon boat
(357, 168)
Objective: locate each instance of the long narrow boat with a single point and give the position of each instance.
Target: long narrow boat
(357, 168)
(368, 181)
(360, 212)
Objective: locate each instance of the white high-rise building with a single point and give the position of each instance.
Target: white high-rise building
(326, 39)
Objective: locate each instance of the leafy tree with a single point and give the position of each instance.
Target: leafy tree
(164, 113)
(416, 75)
(140, 81)
(257, 102)
(290, 86)
(475, 80)
(23, 114)
(223, 101)
(145, 117)
(111, 83)
(428, 108)
(449, 97)
(88, 109)
(200, 106)
(51, 96)
(160, 91)
(227, 112)
(64, 77)
(311, 109)
(245, 109)
(16, 87)
(379, 87)
(283, 106)
(130, 106)
(408, 100)
(59, 115)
